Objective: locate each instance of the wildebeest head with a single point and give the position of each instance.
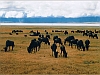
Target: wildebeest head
(29, 50)
(5, 48)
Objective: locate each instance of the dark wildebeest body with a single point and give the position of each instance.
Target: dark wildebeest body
(62, 48)
(85, 34)
(72, 31)
(10, 33)
(58, 40)
(8, 44)
(87, 42)
(54, 47)
(66, 32)
(45, 40)
(14, 31)
(80, 45)
(34, 33)
(92, 35)
(68, 39)
(55, 37)
(34, 45)
(73, 41)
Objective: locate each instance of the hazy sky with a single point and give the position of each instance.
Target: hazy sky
(49, 8)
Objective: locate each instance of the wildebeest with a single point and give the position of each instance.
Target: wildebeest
(92, 35)
(10, 33)
(54, 47)
(55, 37)
(86, 34)
(62, 48)
(66, 32)
(68, 39)
(14, 31)
(34, 45)
(72, 31)
(80, 31)
(73, 42)
(44, 39)
(57, 40)
(87, 42)
(59, 31)
(34, 34)
(8, 44)
(25, 35)
(80, 45)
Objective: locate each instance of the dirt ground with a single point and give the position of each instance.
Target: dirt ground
(19, 61)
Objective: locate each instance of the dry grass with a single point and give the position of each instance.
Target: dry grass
(20, 61)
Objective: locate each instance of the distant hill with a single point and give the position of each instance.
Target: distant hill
(50, 20)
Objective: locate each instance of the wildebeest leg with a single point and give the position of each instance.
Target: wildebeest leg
(56, 54)
(39, 47)
(36, 49)
(31, 50)
(9, 48)
(83, 48)
(64, 42)
(75, 46)
(61, 53)
(78, 47)
(87, 47)
(12, 48)
(65, 55)
(48, 43)
(71, 45)
(52, 52)
(97, 37)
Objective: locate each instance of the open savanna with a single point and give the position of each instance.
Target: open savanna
(19, 61)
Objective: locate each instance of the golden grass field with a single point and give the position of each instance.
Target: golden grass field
(19, 61)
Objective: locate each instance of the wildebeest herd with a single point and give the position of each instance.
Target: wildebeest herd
(35, 44)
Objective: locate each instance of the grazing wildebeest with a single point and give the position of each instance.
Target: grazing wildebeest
(14, 31)
(34, 45)
(55, 37)
(31, 31)
(73, 41)
(10, 33)
(25, 35)
(85, 34)
(54, 47)
(80, 45)
(34, 33)
(66, 32)
(44, 39)
(92, 35)
(8, 44)
(68, 39)
(72, 31)
(59, 31)
(58, 40)
(87, 42)
(62, 48)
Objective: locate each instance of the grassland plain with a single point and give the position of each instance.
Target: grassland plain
(20, 61)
